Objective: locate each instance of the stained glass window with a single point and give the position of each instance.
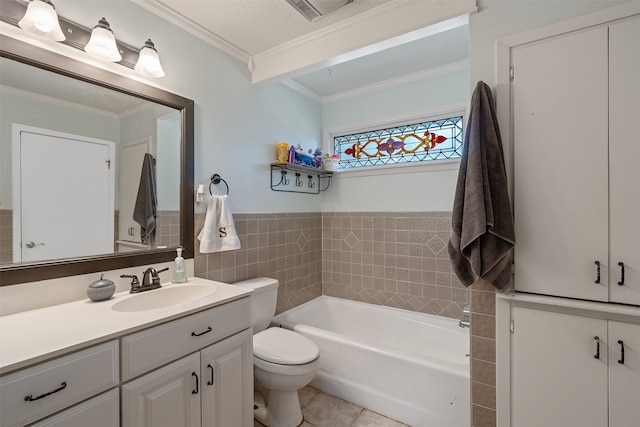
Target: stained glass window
(416, 142)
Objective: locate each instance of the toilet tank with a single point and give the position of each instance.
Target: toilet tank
(264, 298)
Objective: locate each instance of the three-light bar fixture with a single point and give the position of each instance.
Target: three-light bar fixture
(39, 17)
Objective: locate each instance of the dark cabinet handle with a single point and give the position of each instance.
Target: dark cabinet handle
(193, 374)
(193, 334)
(621, 360)
(597, 355)
(30, 398)
(597, 272)
(621, 282)
(210, 382)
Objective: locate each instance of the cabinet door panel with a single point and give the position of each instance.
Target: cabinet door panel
(227, 370)
(166, 397)
(556, 380)
(624, 146)
(624, 378)
(560, 102)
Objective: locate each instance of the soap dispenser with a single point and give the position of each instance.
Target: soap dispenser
(179, 272)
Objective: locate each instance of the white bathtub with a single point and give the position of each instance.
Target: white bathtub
(409, 366)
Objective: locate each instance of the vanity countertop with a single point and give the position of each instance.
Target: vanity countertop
(33, 336)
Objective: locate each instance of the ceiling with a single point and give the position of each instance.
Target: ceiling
(366, 43)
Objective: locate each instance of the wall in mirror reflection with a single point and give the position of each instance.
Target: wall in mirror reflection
(33, 97)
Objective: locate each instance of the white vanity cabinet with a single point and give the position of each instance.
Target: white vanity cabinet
(573, 370)
(576, 174)
(33, 393)
(211, 386)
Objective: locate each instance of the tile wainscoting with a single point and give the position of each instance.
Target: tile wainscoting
(397, 259)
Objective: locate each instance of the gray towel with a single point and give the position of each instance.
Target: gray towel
(482, 235)
(144, 212)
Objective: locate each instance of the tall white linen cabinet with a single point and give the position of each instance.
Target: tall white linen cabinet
(569, 332)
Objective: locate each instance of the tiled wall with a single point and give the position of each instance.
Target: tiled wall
(483, 355)
(397, 259)
(6, 236)
(168, 228)
(285, 246)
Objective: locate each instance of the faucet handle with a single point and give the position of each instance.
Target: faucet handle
(466, 311)
(134, 280)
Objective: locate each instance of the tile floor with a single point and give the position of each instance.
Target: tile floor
(320, 409)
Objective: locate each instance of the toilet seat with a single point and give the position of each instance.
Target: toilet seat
(284, 347)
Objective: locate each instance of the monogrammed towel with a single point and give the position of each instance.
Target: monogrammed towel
(219, 232)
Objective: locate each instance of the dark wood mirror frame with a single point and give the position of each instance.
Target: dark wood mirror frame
(56, 63)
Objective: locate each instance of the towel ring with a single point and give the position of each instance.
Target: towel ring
(215, 179)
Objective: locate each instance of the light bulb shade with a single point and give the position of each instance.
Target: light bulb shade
(148, 61)
(41, 19)
(102, 44)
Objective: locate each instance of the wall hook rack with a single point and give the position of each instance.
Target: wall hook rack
(215, 179)
(317, 180)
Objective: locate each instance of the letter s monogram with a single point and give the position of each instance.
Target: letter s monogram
(223, 231)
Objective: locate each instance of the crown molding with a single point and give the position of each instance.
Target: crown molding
(303, 90)
(194, 29)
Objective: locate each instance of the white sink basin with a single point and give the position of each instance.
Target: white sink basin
(163, 297)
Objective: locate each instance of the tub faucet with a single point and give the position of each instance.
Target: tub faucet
(466, 312)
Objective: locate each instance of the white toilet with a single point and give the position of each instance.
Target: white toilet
(283, 361)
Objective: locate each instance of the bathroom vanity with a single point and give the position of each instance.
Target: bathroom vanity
(178, 355)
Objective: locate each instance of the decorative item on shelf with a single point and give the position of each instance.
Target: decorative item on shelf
(330, 163)
(101, 290)
(310, 158)
(282, 152)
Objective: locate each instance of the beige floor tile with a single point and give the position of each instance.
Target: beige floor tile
(371, 419)
(306, 394)
(325, 410)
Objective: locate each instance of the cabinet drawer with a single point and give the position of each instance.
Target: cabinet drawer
(161, 344)
(101, 411)
(35, 392)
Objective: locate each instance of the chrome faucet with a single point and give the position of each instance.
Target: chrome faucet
(150, 280)
(466, 312)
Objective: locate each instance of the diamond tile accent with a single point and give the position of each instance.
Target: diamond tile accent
(302, 241)
(351, 240)
(436, 244)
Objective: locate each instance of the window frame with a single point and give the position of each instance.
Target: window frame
(436, 113)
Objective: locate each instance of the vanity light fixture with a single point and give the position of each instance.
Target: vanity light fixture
(102, 44)
(41, 19)
(99, 42)
(148, 61)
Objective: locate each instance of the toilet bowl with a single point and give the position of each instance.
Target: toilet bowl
(283, 360)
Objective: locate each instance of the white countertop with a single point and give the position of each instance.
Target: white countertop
(33, 336)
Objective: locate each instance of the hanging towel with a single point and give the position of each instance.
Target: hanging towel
(219, 232)
(482, 225)
(144, 212)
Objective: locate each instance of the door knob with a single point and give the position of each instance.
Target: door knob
(31, 244)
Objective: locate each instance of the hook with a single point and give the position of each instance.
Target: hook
(215, 179)
(298, 180)
(311, 183)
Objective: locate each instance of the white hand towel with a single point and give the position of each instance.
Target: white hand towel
(219, 232)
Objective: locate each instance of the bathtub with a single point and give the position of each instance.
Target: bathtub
(409, 366)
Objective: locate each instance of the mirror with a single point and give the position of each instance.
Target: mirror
(125, 117)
